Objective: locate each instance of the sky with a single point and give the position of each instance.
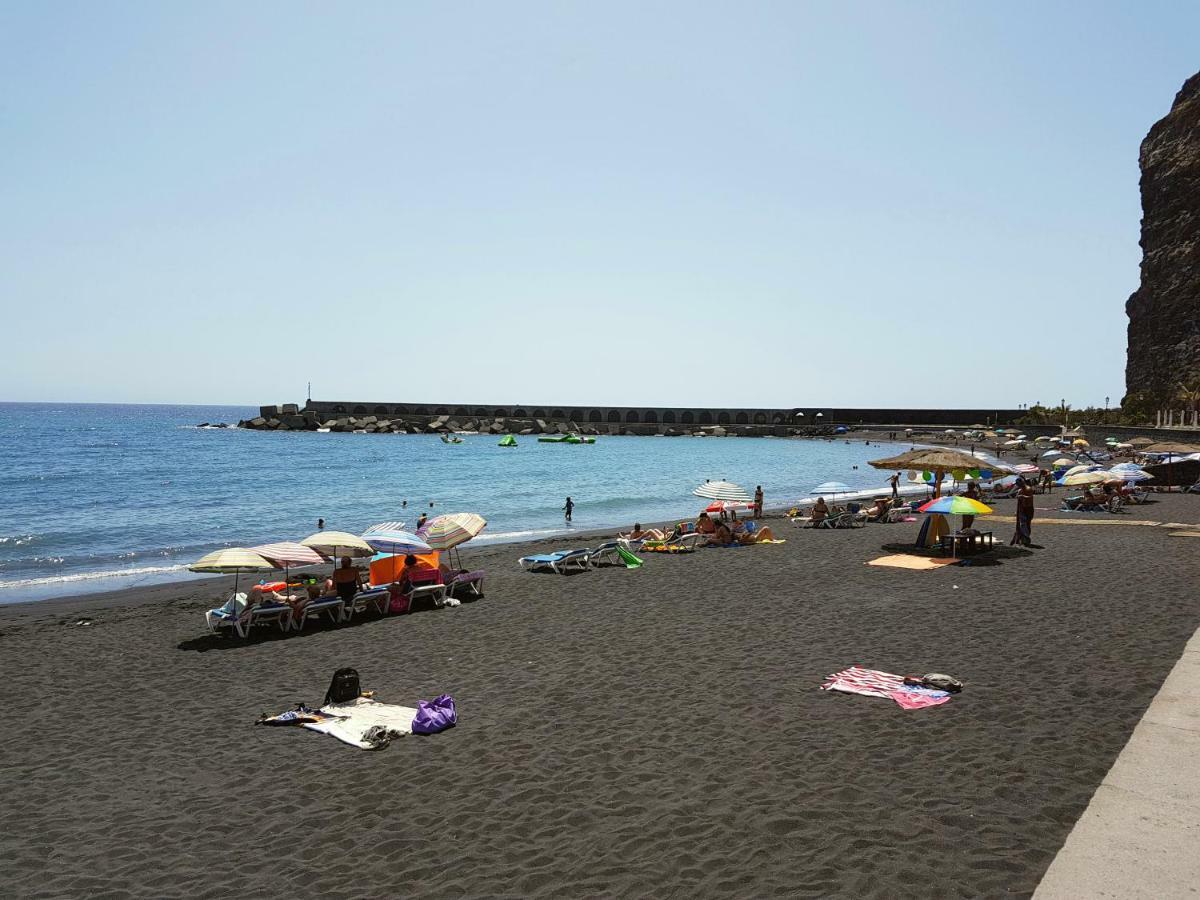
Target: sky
(765, 204)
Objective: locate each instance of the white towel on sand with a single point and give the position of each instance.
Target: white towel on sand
(356, 718)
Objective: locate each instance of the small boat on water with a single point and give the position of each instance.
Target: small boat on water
(508, 441)
(571, 438)
(451, 439)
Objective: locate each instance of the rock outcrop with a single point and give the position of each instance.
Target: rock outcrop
(1164, 312)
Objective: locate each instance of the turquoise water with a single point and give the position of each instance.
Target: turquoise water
(103, 496)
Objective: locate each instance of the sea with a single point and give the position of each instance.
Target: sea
(100, 497)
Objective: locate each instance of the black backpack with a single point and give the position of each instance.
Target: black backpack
(344, 688)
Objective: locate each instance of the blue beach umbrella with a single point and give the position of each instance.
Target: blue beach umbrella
(831, 487)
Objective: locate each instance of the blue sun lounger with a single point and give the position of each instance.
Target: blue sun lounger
(558, 561)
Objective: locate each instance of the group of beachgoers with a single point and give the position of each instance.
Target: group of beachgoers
(344, 583)
(726, 530)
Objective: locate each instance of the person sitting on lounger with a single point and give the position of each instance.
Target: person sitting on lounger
(820, 511)
(1090, 500)
(346, 580)
(879, 511)
(705, 525)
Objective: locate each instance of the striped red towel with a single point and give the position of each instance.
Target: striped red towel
(874, 683)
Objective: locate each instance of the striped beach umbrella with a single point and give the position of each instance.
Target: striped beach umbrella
(450, 530)
(232, 561)
(722, 490)
(394, 540)
(285, 554)
(1123, 474)
(332, 544)
(446, 532)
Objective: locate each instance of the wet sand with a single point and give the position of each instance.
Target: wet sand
(648, 732)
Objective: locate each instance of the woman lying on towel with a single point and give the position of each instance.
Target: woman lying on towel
(749, 533)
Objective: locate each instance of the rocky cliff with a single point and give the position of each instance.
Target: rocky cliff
(1164, 312)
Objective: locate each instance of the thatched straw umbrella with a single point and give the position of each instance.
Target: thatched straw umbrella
(938, 460)
(1173, 449)
(1141, 442)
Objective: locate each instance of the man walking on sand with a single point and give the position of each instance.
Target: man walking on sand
(758, 502)
(894, 481)
(568, 508)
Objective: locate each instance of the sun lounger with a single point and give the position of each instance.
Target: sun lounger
(559, 561)
(234, 615)
(607, 553)
(684, 543)
(314, 608)
(426, 584)
(376, 597)
(466, 584)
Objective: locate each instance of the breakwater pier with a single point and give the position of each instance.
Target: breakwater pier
(407, 418)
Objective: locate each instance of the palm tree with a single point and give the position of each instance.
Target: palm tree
(1188, 393)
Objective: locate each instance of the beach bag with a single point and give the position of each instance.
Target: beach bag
(435, 715)
(344, 688)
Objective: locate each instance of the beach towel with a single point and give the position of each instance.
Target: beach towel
(874, 683)
(911, 561)
(368, 724)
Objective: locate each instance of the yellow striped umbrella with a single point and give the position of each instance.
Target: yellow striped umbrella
(232, 561)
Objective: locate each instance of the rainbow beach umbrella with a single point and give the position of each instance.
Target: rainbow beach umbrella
(955, 505)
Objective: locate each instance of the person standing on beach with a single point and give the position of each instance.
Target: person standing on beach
(568, 509)
(1023, 535)
(894, 481)
(421, 521)
(758, 502)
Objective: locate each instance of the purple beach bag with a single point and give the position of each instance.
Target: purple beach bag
(434, 715)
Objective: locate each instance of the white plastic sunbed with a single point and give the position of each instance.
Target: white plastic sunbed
(558, 561)
(378, 597)
(235, 615)
(314, 608)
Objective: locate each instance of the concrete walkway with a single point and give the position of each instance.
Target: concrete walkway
(1140, 835)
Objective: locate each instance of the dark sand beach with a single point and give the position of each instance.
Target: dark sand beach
(656, 732)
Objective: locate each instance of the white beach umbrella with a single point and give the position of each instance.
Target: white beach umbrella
(1063, 463)
(831, 487)
(1079, 469)
(722, 490)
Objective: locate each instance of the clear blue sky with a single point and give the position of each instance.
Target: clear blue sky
(671, 203)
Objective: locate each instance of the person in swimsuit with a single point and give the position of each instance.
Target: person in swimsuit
(346, 580)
